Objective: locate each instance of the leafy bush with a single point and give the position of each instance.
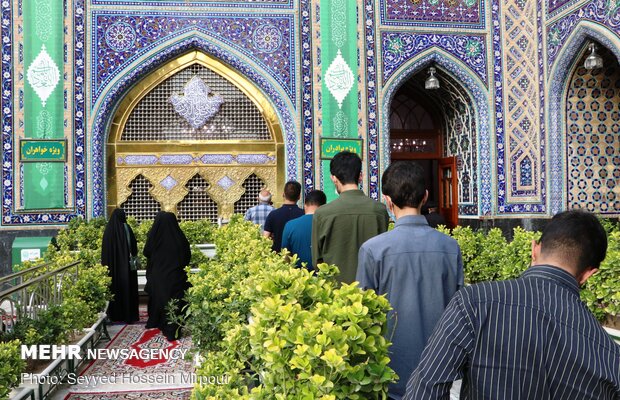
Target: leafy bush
(602, 291)
(84, 239)
(306, 337)
(199, 231)
(81, 234)
(11, 366)
(90, 292)
(488, 256)
(217, 299)
(516, 257)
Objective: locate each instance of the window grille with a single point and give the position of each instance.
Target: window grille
(252, 185)
(154, 118)
(197, 204)
(140, 204)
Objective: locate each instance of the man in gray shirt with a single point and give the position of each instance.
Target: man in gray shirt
(416, 266)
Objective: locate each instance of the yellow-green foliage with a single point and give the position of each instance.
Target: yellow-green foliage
(488, 256)
(602, 291)
(11, 366)
(306, 337)
(84, 239)
(92, 289)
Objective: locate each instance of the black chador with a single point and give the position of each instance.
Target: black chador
(168, 253)
(115, 250)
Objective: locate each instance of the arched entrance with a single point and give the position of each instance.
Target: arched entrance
(437, 128)
(196, 138)
(592, 123)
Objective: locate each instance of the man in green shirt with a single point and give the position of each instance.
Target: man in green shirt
(340, 227)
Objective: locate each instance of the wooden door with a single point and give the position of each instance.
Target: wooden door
(448, 200)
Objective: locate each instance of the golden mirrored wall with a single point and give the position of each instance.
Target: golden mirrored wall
(196, 138)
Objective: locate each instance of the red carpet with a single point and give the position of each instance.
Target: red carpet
(132, 339)
(143, 313)
(162, 394)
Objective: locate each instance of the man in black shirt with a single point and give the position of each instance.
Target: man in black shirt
(433, 217)
(274, 224)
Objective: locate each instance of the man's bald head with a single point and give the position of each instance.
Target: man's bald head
(264, 196)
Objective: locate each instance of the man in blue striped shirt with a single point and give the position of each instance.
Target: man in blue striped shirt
(528, 338)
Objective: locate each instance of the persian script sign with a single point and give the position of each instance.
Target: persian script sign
(35, 150)
(332, 146)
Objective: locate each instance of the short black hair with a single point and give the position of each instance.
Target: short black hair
(347, 167)
(405, 183)
(315, 198)
(292, 190)
(578, 237)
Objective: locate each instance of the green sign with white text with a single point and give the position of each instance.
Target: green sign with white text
(332, 146)
(43, 150)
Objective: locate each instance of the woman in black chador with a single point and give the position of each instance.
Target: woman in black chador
(168, 253)
(115, 251)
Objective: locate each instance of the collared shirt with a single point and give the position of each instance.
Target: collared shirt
(419, 269)
(297, 238)
(277, 219)
(258, 214)
(528, 338)
(340, 227)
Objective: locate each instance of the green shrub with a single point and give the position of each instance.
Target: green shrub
(50, 325)
(80, 234)
(217, 298)
(11, 366)
(469, 242)
(516, 257)
(307, 338)
(199, 231)
(488, 256)
(602, 291)
(90, 292)
(83, 238)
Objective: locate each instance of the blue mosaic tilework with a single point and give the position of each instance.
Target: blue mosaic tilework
(593, 137)
(120, 39)
(524, 131)
(434, 13)
(140, 160)
(199, 3)
(371, 94)
(8, 190)
(599, 11)
(581, 32)
(217, 159)
(178, 159)
(307, 96)
(555, 7)
(115, 93)
(502, 137)
(254, 159)
(476, 89)
(400, 47)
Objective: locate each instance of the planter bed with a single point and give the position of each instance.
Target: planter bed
(57, 371)
(614, 333)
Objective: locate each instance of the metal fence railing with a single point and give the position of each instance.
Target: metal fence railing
(18, 278)
(27, 297)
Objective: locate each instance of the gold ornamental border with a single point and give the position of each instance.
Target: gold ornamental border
(117, 190)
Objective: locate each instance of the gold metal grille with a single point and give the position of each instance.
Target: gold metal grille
(252, 185)
(154, 117)
(140, 204)
(197, 204)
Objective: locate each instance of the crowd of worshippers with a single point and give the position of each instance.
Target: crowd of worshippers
(527, 338)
